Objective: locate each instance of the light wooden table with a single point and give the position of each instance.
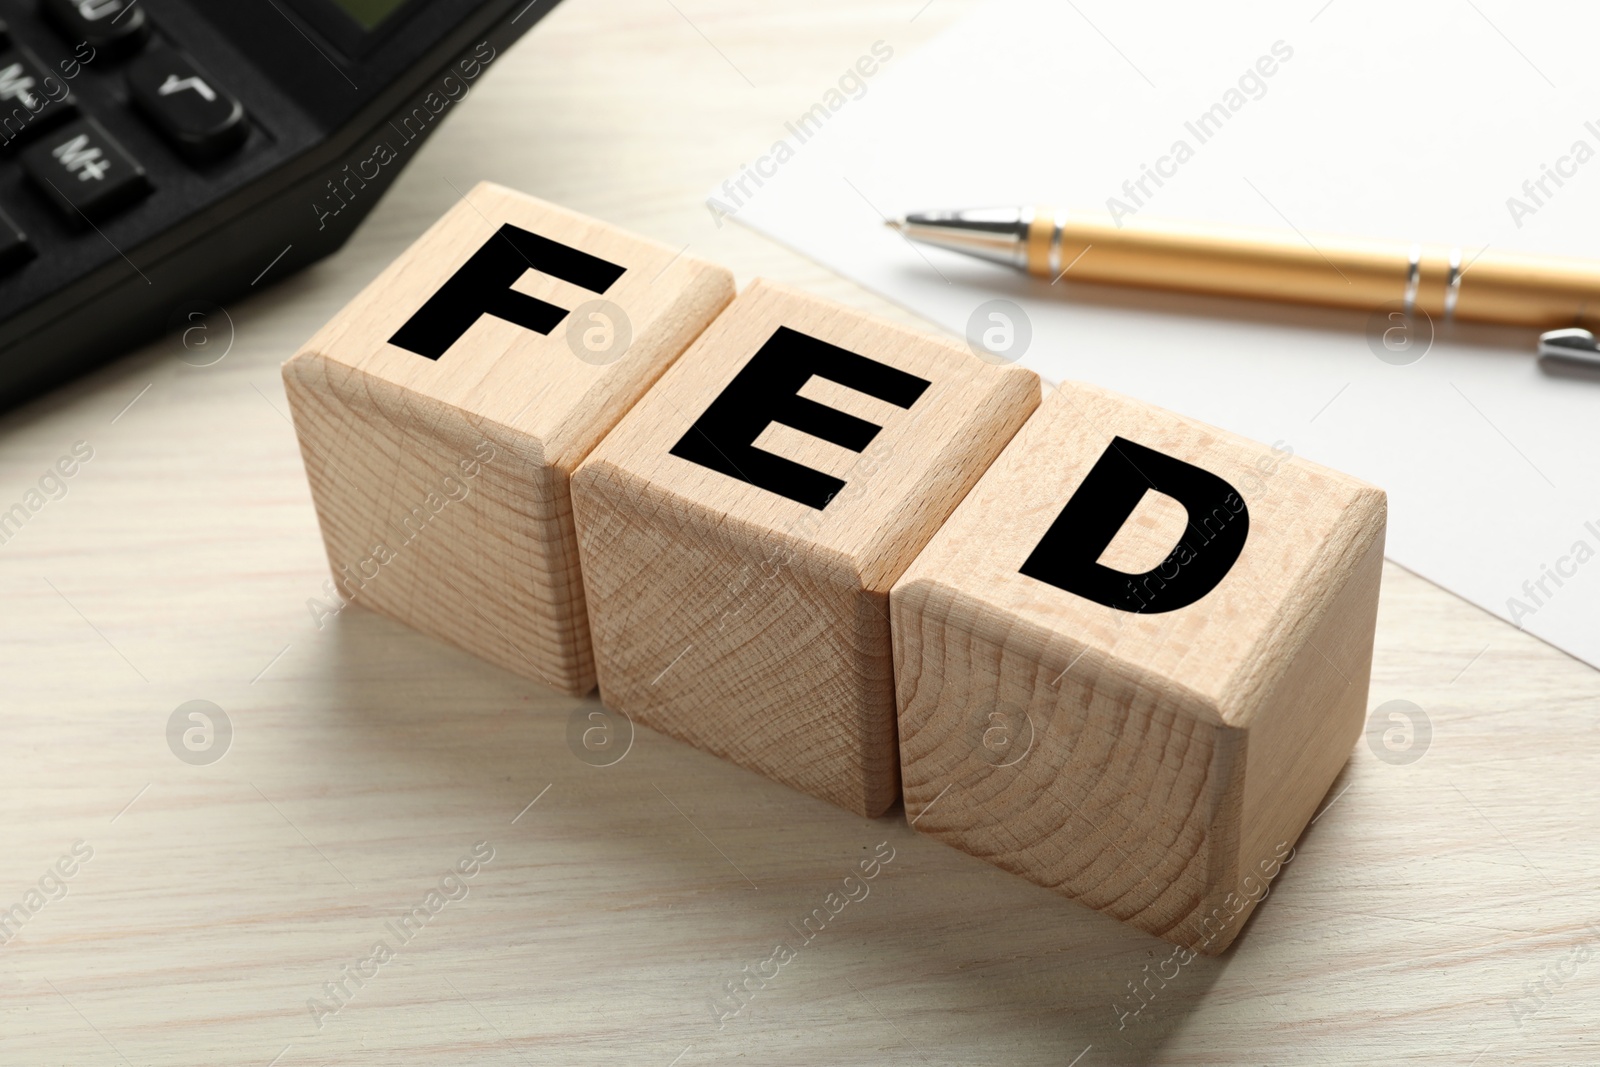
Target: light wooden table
(1442, 911)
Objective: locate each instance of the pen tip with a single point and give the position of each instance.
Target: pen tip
(895, 224)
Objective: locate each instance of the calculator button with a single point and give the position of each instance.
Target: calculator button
(112, 27)
(31, 98)
(14, 247)
(80, 168)
(196, 114)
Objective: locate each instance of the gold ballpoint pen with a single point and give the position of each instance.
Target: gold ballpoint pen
(1543, 292)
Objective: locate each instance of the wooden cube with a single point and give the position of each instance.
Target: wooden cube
(741, 528)
(442, 412)
(1134, 659)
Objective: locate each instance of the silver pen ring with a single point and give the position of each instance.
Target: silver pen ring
(1019, 253)
(1055, 244)
(1413, 279)
(1452, 288)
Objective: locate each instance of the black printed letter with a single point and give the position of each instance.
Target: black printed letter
(766, 391)
(483, 287)
(1068, 555)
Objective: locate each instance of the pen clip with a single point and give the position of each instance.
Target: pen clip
(1573, 346)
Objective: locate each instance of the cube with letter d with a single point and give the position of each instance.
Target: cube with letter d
(442, 412)
(1132, 662)
(741, 528)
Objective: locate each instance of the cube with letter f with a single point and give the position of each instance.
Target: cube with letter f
(442, 412)
(739, 532)
(1132, 662)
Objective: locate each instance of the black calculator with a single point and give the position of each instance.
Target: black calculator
(160, 157)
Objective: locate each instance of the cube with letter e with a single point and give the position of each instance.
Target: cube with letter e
(442, 412)
(741, 528)
(1132, 662)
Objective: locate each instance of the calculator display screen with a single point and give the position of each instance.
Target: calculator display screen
(369, 12)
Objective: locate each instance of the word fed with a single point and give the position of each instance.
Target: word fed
(1106, 647)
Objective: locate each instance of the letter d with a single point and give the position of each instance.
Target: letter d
(1068, 554)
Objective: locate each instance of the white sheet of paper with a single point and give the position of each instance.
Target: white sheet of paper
(1413, 122)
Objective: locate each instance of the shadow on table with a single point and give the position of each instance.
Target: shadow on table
(708, 866)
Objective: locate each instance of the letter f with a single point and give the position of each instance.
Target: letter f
(483, 287)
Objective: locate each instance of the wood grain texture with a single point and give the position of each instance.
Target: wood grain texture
(1430, 915)
(442, 484)
(1156, 765)
(753, 625)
